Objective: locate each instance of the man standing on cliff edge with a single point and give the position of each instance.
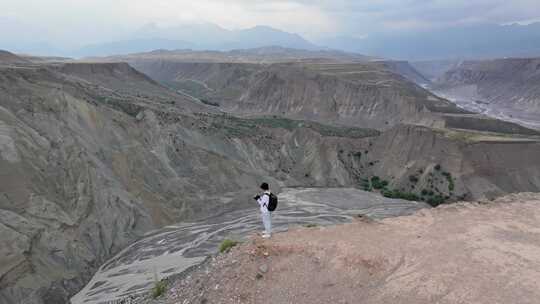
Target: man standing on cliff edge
(264, 202)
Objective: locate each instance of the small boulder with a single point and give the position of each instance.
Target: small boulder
(263, 268)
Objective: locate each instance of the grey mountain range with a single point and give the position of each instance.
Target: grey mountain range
(472, 41)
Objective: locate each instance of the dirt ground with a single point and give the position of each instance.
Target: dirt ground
(486, 252)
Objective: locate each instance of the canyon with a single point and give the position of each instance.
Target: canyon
(97, 153)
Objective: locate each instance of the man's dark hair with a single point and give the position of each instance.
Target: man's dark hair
(264, 186)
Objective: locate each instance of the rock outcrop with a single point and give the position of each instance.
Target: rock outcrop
(454, 163)
(358, 94)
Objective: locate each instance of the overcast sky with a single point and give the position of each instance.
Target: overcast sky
(72, 21)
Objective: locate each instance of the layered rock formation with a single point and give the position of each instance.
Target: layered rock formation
(503, 87)
(359, 94)
(455, 163)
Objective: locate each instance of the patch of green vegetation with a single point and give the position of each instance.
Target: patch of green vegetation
(310, 225)
(159, 289)
(377, 183)
(400, 194)
(436, 200)
(426, 194)
(450, 180)
(438, 167)
(366, 185)
(236, 126)
(324, 130)
(210, 103)
(226, 245)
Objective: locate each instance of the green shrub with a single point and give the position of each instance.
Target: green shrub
(413, 179)
(226, 245)
(310, 225)
(438, 167)
(450, 180)
(210, 103)
(436, 200)
(387, 193)
(400, 194)
(377, 183)
(365, 184)
(159, 289)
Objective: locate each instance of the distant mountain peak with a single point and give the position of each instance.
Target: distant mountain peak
(204, 36)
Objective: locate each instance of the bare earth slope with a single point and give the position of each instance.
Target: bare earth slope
(7, 58)
(491, 256)
(506, 88)
(433, 69)
(367, 94)
(407, 70)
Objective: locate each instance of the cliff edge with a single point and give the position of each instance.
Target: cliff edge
(484, 252)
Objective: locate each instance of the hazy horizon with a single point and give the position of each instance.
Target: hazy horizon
(61, 26)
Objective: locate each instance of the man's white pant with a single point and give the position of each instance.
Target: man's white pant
(267, 222)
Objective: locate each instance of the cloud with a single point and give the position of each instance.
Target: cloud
(427, 14)
(74, 21)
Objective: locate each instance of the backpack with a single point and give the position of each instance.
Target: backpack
(272, 202)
